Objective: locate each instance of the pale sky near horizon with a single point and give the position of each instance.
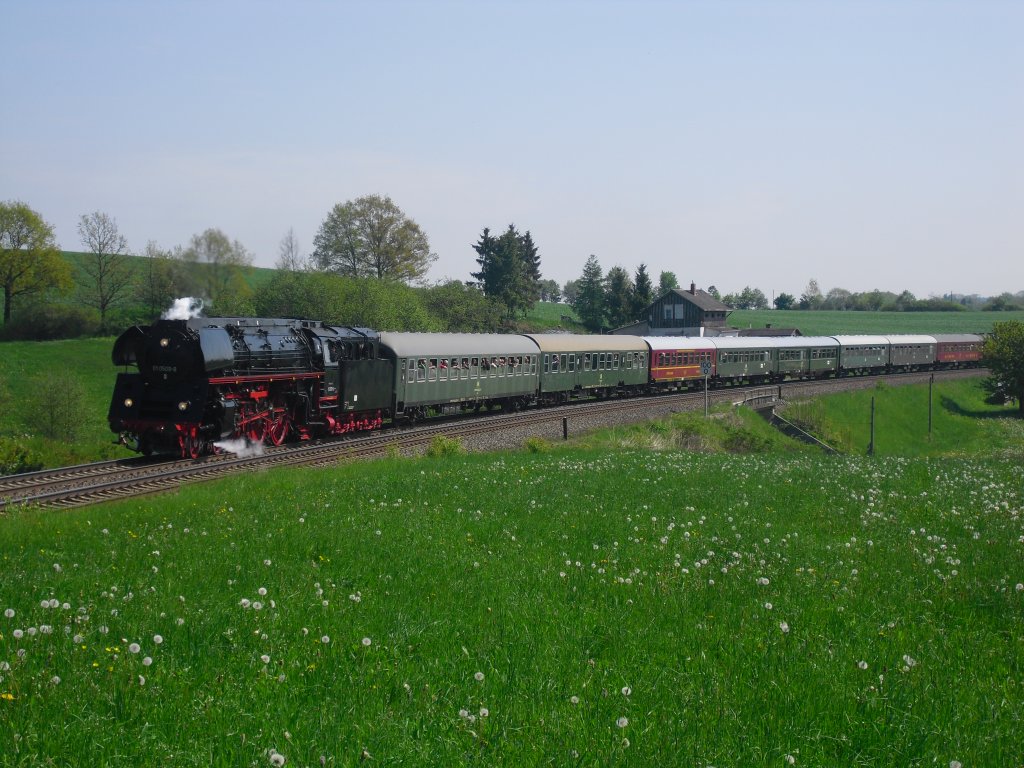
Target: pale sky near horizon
(866, 144)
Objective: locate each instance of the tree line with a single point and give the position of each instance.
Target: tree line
(369, 238)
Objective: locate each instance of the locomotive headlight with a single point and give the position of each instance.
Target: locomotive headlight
(165, 343)
(183, 405)
(128, 402)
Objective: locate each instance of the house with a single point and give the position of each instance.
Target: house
(681, 313)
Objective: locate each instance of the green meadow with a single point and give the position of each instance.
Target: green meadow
(62, 388)
(689, 593)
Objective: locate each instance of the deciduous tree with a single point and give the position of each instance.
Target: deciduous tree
(785, 301)
(29, 260)
(1004, 356)
(371, 237)
(224, 263)
(666, 282)
(107, 265)
(289, 255)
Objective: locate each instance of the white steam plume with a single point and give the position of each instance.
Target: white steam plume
(184, 309)
(241, 447)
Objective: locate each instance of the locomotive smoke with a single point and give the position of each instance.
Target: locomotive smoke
(184, 309)
(242, 448)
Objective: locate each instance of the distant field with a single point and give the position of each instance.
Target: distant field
(568, 608)
(547, 314)
(830, 323)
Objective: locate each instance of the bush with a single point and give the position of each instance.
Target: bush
(46, 323)
(16, 457)
(445, 446)
(537, 445)
(55, 405)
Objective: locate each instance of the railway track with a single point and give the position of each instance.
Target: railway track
(107, 480)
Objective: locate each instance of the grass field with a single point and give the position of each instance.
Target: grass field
(830, 323)
(963, 424)
(38, 375)
(565, 608)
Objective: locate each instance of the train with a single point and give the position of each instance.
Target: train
(188, 385)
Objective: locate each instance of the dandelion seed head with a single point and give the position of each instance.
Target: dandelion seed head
(862, 664)
(147, 661)
(367, 642)
(574, 699)
(265, 658)
(325, 639)
(158, 639)
(479, 677)
(626, 690)
(622, 722)
(9, 613)
(134, 648)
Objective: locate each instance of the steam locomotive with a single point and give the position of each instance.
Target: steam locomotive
(201, 381)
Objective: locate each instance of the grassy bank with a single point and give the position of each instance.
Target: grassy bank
(72, 378)
(962, 423)
(566, 608)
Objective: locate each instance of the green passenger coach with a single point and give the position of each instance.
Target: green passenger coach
(574, 365)
(449, 372)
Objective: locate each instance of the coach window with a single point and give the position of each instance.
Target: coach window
(572, 363)
(561, 363)
(443, 369)
(432, 369)
(411, 370)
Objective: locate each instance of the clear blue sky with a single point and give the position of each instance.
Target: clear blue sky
(865, 144)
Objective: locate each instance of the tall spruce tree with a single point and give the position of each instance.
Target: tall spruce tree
(589, 301)
(618, 297)
(509, 269)
(643, 291)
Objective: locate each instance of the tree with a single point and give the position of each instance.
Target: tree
(550, 291)
(157, 282)
(29, 260)
(643, 291)
(666, 282)
(289, 255)
(462, 308)
(713, 293)
(107, 266)
(509, 269)
(589, 303)
(785, 301)
(811, 298)
(570, 291)
(371, 237)
(839, 299)
(225, 262)
(618, 297)
(1004, 355)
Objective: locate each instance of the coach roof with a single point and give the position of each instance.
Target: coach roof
(457, 344)
(578, 342)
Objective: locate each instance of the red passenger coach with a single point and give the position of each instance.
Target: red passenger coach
(958, 350)
(676, 360)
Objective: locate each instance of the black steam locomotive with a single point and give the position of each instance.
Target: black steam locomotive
(208, 379)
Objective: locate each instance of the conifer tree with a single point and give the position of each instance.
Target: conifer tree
(589, 302)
